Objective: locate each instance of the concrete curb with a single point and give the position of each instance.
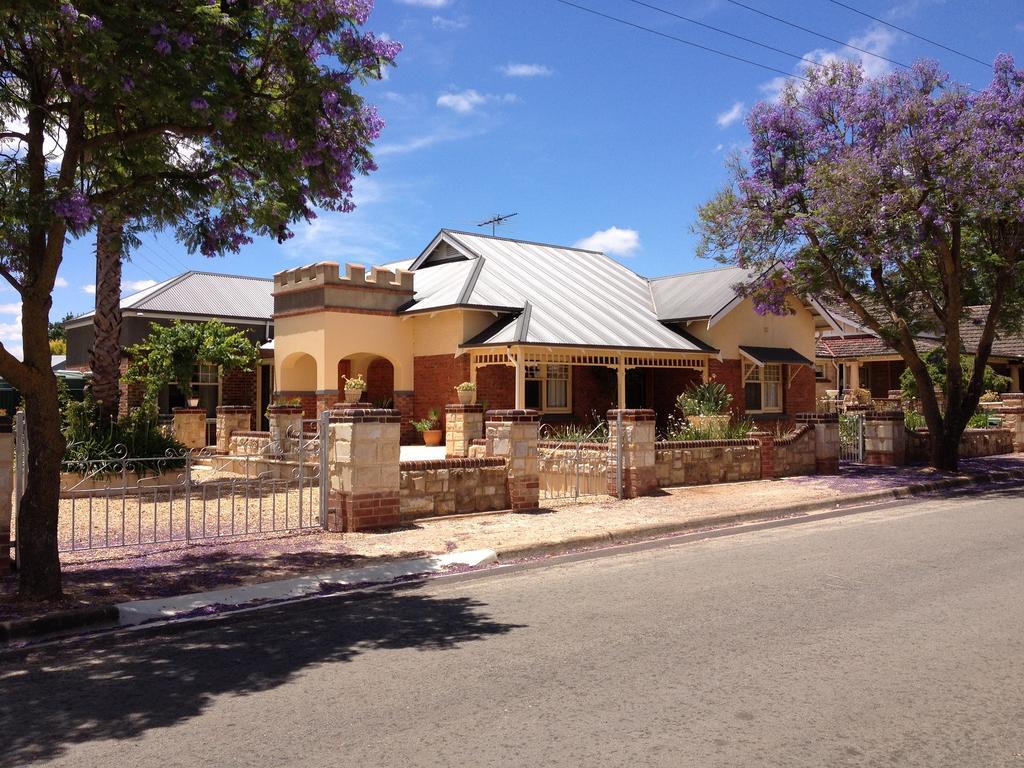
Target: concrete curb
(655, 530)
(183, 607)
(59, 622)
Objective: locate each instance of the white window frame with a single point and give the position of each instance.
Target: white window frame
(539, 372)
(757, 374)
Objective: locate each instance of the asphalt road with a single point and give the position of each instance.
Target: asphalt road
(893, 637)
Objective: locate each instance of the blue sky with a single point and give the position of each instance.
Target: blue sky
(591, 131)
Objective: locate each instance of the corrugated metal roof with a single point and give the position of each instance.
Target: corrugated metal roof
(576, 297)
(696, 295)
(207, 294)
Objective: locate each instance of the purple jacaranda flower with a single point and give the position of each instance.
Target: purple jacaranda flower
(163, 47)
(74, 208)
(199, 104)
(229, 115)
(184, 40)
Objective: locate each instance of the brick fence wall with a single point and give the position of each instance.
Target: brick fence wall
(452, 486)
(703, 462)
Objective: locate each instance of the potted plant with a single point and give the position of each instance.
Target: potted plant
(704, 407)
(466, 392)
(428, 427)
(354, 388)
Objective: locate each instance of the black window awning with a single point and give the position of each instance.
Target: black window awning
(764, 355)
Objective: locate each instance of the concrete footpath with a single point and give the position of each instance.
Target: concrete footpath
(128, 588)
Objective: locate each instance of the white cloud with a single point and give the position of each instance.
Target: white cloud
(467, 101)
(135, 285)
(10, 309)
(440, 136)
(730, 116)
(60, 282)
(526, 70)
(877, 39)
(612, 241)
(448, 25)
(90, 289)
(426, 3)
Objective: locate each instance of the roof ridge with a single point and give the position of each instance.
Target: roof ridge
(520, 240)
(223, 274)
(695, 272)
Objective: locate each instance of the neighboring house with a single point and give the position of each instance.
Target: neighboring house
(244, 303)
(853, 357)
(567, 331)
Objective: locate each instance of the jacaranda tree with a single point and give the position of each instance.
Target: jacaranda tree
(898, 197)
(245, 110)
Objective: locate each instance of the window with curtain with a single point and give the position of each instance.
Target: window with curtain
(548, 388)
(762, 387)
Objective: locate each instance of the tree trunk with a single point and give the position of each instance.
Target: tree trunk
(39, 575)
(945, 450)
(105, 359)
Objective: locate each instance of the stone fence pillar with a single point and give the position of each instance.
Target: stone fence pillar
(189, 427)
(826, 440)
(6, 489)
(639, 476)
(364, 452)
(232, 418)
(512, 435)
(767, 441)
(285, 427)
(463, 425)
(885, 439)
(1013, 420)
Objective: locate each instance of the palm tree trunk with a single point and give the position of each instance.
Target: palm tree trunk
(105, 358)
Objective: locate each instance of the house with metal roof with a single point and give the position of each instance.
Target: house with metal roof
(852, 356)
(568, 331)
(244, 303)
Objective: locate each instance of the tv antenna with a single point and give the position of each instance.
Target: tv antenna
(496, 221)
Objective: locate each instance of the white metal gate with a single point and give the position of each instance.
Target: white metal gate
(127, 501)
(851, 437)
(577, 467)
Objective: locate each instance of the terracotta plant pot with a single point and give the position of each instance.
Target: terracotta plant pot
(466, 396)
(353, 395)
(432, 437)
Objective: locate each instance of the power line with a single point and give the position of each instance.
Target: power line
(734, 35)
(985, 64)
(680, 40)
(818, 34)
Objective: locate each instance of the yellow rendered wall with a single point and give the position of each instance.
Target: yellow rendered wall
(743, 326)
(332, 336)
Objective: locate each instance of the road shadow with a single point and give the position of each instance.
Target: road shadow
(119, 687)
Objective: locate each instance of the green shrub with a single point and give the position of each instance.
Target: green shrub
(136, 435)
(936, 364)
(593, 431)
(708, 399)
(679, 429)
(913, 420)
(979, 420)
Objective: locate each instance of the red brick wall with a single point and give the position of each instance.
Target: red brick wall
(594, 390)
(730, 373)
(799, 397)
(666, 385)
(380, 381)
(496, 386)
(434, 381)
(238, 388)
